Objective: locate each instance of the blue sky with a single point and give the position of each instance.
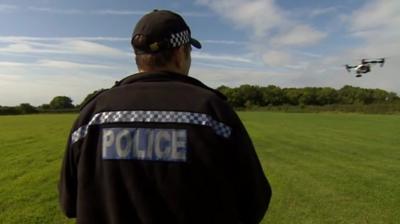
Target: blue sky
(71, 48)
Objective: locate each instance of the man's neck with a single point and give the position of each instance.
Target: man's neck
(166, 69)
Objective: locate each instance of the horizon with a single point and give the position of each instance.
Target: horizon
(72, 48)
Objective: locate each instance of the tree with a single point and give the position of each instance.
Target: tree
(272, 95)
(26, 108)
(44, 107)
(8, 110)
(348, 94)
(293, 95)
(327, 96)
(249, 95)
(61, 102)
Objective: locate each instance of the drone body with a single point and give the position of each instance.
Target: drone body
(365, 66)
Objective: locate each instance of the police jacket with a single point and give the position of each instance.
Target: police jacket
(161, 148)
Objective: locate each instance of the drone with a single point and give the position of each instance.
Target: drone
(365, 66)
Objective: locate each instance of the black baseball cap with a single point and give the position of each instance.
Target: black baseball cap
(161, 29)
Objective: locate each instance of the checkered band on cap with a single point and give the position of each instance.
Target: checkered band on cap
(182, 117)
(179, 39)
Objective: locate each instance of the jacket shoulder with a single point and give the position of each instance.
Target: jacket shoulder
(91, 97)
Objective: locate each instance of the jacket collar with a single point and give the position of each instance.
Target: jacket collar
(164, 77)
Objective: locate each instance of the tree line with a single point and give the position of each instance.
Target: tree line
(252, 96)
(57, 104)
(248, 96)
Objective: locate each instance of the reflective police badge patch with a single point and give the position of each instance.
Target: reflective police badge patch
(144, 144)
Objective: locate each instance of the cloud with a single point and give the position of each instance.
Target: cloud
(58, 46)
(229, 58)
(42, 89)
(380, 32)
(110, 12)
(49, 63)
(224, 76)
(377, 15)
(57, 11)
(225, 42)
(300, 35)
(277, 58)
(265, 19)
(11, 64)
(322, 11)
(71, 65)
(91, 48)
(268, 26)
(38, 81)
(28, 38)
(118, 12)
(378, 38)
(7, 8)
(260, 15)
(375, 25)
(141, 13)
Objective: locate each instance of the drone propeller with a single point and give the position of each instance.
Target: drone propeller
(382, 62)
(347, 67)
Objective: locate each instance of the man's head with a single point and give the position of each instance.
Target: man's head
(162, 41)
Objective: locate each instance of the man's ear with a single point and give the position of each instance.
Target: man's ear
(179, 55)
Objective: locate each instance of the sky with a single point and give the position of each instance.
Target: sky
(71, 48)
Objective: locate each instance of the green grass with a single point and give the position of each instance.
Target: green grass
(31, 149)
(323, 168)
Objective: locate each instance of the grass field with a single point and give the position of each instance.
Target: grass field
(323, 168)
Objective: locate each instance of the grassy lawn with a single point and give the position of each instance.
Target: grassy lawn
(31, 149)
(323, 168)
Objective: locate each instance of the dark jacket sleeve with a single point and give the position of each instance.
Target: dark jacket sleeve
(253, 190)
(67, 186)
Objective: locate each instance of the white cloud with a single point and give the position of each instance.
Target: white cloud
(260, 15)
(301, 65)
(268, 26)
(110, 12)
(300, 35)
(91, 48)
(49, 63)
(224, 76)
(11, 64)
(43, 88)
(37, 82)
(227, 42)
(71, 65)
(57, 11)
(377, 27)
(7, 8)
(59, 46)
(380, 33)
(322, 11)
(277, 58)
(141, 13)
(118, 12)
(229, 58)
(28, 38)
(266, 20)
(378, 38)
(194, 14)
(378, 15)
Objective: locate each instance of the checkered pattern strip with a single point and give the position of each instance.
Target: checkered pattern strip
(179, 39)
(219, 128)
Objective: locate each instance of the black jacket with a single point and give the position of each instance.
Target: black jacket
(161, 148)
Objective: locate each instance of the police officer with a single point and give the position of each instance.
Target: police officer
(160, 146)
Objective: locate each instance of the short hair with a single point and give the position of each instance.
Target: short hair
(156, 59)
